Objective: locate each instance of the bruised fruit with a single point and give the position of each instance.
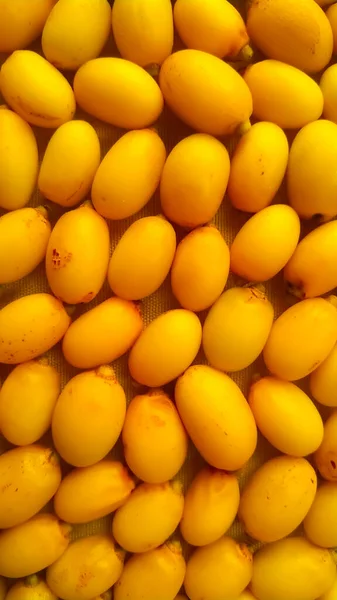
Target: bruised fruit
(326, 455)
(323, 381)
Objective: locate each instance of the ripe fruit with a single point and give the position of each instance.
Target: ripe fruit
(329, 90)
(22, 23)
(323, 381)
(320, 524)
(331, 13)
(331, 593)
(326, 455)
(31, 588)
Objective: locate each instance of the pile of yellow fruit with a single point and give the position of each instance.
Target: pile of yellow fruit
(166, 476)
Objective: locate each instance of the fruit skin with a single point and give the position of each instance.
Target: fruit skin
(142, 258)
(165, 348)
(216, 416)
(292, 568)
(154, 439)
(119, 92)
(129, 174)
(331, 593)
(286, 416)
(102, 334)
(76, 32)
(236, 328)
(17, 176)
(217, 102)
(30, 326)
(21, 23)
(320, 524)
(194, 180)
(31, 588)
(331, 13)
(326, 456)
(220, 570)
(88, 417)
(277, 497)
(143, 30)
(211, 504)
(149, 517)
(24, 235)
(78, 255)
(69, 164)
(323, 381)
(277, 28)
(88, 567)
(329, 91)
(37, 91)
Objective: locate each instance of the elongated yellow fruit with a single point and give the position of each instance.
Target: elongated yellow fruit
(320, 524)
(323, 380)
(329, 91)
(22, 22)
(326, 455)
(331, 13)
(31, 588)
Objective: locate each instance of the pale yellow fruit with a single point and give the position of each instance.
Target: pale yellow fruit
(119, 92)
(69, 164)
(328, 86)
(88, 567)
(37, 91)
(220, 570)
(320, 524)
(143, 30)
(88, 417)
(142, 258)
(21, 22)
(149, 517)
(265, 243)
(129, 174)
(205, 92)
(331, 13)
(154, 439)
(216, 416)
(292, 568)
(194, 180)
(165, 348)
(76, 32)
(301, 338)
(31, 588)
(102, 334)
(323, 381)
(19, 161)
(30, 326)
(3, 588)
(211, 503)
(326, 455)
(236, 328)
(331, 594)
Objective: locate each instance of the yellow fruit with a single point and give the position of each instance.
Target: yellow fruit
(292, 568)
(154, 439)
(17, 176)
(296, 33)
(301, 338)
(24, 236)
(119, 92)
(30, 326)
(320, 524)
(323, 381)
(286, 416)
(3, 588)
(220, 570)
(31, 588)
(329, 90)
(236, 328)
(33, 545)
(76, 32)
(205, 92)
(21, 22)
(102, 334)
(142, 258)
(331, 594)
(194, 180)
(211, 504)
(69, 164)
(152, 575)
(216, 416)
(78, 255)
(143, 30)
(324, 2)
(331, 13)
(129, 174)
(89, 567)
(88, 417)
(37, 91)
(149, 517)
(165, 348)
(326, 455)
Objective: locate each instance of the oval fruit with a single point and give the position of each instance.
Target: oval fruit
(236, 328)
(102, 334)
(22, 23)
(326, 455)
(37, 91)
(31, 588)
(165, 348)
(331, 13)
(331, 593)
(320, 524)
(301, 338)
(216, 103)
(69, 164)
(30, 326)
(129, 174)
(265, 243)
(194, 180)
(216, 416)
(211, 504)
(149, 517)
(78, 255)
(119, 92)
(329, 91)
(88, 417)
(142, 258)
(154, 439)
(323, 381)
